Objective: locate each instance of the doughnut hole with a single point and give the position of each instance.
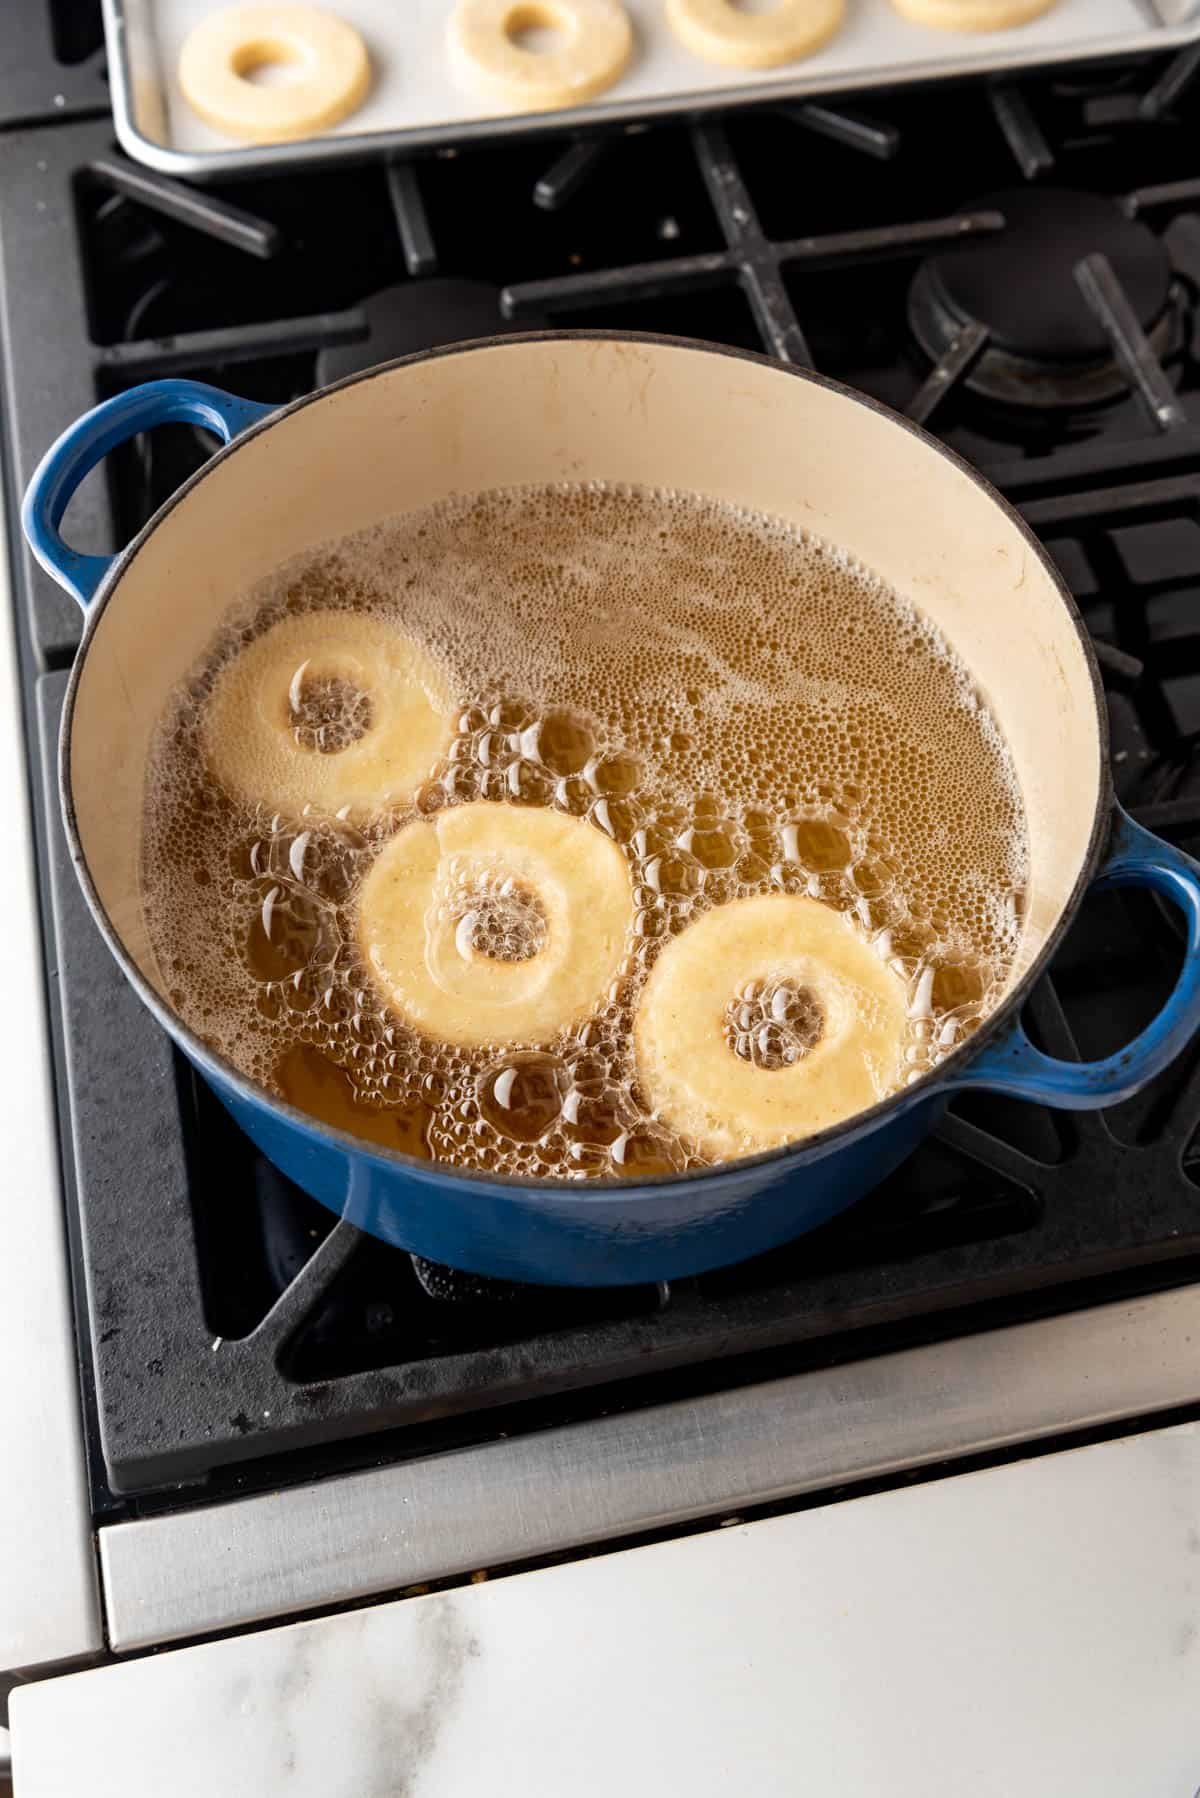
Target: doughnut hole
(327, 713)
(271, 61)
(537, 27)
(773, 1023)
(501, 919)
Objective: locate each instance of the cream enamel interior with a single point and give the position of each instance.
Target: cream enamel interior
(662, 414)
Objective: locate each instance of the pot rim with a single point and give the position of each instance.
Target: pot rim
(610, 1187)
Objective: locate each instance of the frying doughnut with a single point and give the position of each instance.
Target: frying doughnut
(494, 923)
(838, 1015)
(721, 32)
(483, 42)
(332, 712)
(326, 60)
(972, 15)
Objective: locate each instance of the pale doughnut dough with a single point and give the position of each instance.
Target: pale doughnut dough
(727, 1105)
(333, 71)
(599, 40)
(972, 15)
(410, 913)
(721, 32)
(249, 735)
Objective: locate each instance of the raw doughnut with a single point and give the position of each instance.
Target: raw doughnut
(325, 59)
(388, 705)
(529, 883)
(721, 32)
(483, 41)
(849, 1056)
(972, 15)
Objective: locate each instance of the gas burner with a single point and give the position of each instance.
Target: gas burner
(1046, 347)
(448, 1286)
(420, 315)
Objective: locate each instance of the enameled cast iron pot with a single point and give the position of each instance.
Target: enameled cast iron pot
(665, 413)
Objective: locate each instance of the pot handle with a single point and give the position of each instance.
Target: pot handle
(1012, 1065)
(89, 440)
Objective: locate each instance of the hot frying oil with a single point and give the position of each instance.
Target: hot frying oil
(740, 707)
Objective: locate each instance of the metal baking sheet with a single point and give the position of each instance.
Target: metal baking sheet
(415, 102)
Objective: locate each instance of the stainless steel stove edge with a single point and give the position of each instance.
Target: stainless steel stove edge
(346, 1540)
(49, 1598)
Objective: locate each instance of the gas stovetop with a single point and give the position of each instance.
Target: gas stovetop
(1017, 267)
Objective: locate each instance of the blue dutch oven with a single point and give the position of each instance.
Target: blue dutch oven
(665, 413)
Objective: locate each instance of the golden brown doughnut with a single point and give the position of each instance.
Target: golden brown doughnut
(772, 957)
(391, 707)
(548, 894)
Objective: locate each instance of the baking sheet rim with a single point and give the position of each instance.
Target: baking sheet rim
(592, 118)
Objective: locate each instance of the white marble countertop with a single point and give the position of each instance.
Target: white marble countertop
(1031, 1631)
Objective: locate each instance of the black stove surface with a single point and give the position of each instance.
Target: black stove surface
(232, 1331)
(51, 61)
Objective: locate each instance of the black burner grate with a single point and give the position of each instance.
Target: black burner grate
(232, 1325)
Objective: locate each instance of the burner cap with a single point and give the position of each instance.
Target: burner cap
(1021, 282)
(420, 315)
